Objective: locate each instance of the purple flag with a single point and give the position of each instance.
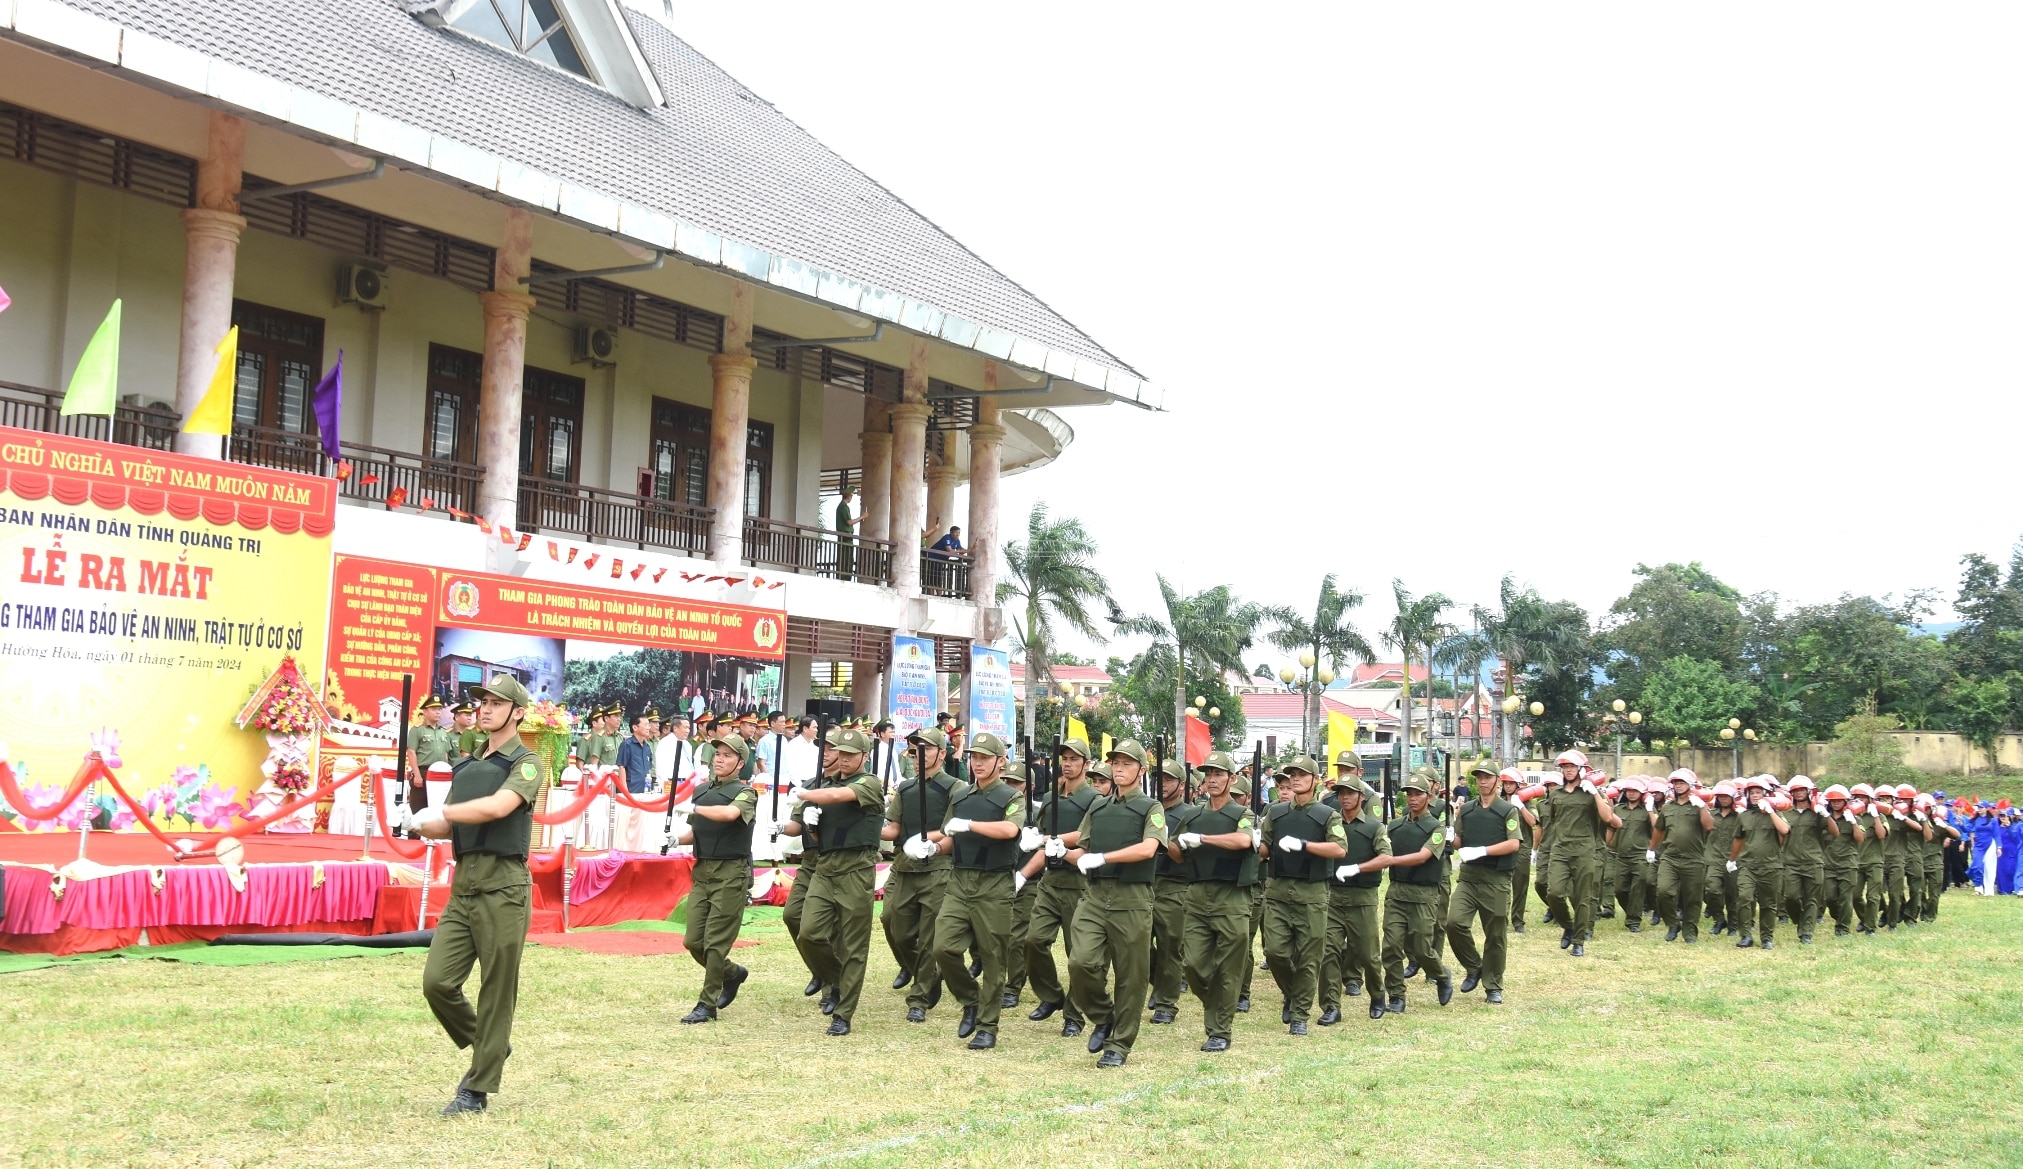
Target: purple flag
(327, 402)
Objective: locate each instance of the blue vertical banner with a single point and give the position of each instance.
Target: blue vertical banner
(991, 709)
(913, 693)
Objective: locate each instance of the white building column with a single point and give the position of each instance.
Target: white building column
(909, 467)
(986, 451)
(730, 417)
(211, 232)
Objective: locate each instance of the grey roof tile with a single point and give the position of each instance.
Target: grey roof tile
(715, 155)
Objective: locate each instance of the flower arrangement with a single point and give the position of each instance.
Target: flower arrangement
(545, 716)
(288, 707)
(190, 796)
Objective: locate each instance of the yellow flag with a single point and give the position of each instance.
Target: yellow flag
(1341, 737)
(213, 415)
(1105, 752)
(1078, 730)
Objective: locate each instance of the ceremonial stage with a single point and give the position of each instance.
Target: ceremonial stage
(131, 891)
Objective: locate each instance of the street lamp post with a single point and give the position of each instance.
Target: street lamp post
(1615, 718)
(1735, 732)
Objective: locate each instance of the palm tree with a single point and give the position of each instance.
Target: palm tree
(1464, 653)
(1051, 575)
(1212, 626)
(1528, 632)
(1329, 635)
(1417, 626)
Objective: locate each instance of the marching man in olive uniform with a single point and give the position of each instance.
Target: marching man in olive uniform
(1115, 850)
(488, 820)
(1169, 907)
(1028, 893)
(981, 832)
(804, 875)
(720, 827)
(1758, 852)
(1221, 849)
(844, 815)
(1488, 830)
(1805, 856)
(1578, 814)
(1510, 779)
(1679, 840)
(1418, 854)
(918, 878)
(1060, 887)
(1302, 837)
(1355, 930)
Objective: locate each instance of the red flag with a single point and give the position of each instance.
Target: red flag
(369, 479)
(657, 574)
(343, 469)
(636, 570)
(617, 566)
(505, 534)
(572, 555)
(1200, 741)
(396, 497)
(554, 551)
(484, 525)
(590, 561)
(526, 538)
(459, 513)
(428, 503)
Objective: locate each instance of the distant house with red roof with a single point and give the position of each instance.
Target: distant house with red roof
(1078, 681)
(1277, 715)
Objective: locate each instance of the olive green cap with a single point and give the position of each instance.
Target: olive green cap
(1100, 767)
(853, 741)
(987, 744)
(1482, 769)
(932, 736)
(507, 687)
(1349, 758)
(1419, 783)
(1220, 761)
(1303, 763)
(734, 743)
(1171, 769)
(1239, 784)
(1427, 774)
(1015, 772)
(1129, 749)
(1078, 746)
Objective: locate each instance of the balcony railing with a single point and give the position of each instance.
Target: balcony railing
(943, 575)
(376, 473)
(816, 551)
(591, 513)
(34, 408)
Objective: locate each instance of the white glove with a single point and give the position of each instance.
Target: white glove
(1587, 785)
(1534, 858)
(1290, 844)
(956, 825)
(1452, 836)
(1090, 862)
(920, 848)
(1651, 855)
(1696, 801)
(812, 816)
(1256, 837)
(1732, 866)
(1848, 815)
(425, 817)
(1018, 883)
(403, 818)
(1472, 853)
(1346, 871)
(1894, 815)
(1029, 838)
(684, 808)
(1055, 847)
(1189, 840)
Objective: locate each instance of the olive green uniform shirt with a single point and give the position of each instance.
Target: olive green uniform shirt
(486, 872)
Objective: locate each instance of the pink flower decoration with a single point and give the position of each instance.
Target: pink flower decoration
(105, 744)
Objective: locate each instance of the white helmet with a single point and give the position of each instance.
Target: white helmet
(1573, 757)
(1686, 774)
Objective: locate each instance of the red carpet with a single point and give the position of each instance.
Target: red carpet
(637, 942)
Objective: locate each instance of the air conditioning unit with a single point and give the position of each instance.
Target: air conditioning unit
(361, 285)
(597, 346)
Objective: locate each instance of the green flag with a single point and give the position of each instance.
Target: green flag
(94, 385)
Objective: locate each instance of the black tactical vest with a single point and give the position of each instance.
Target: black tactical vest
(1114, 825)
(1308, 822)
(939, 786)
(721, 840)
(474, 779)
(985, 806)
(1179, 818)
(844, 827)
(1361, 843)
(1237, 866)
(1072, 809)
(1409, 836)
(1480, 827)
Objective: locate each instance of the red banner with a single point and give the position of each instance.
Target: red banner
(382, 625)
(35, 465)
(511, 604)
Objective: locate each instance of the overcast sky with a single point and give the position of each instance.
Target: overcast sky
(1446, 291)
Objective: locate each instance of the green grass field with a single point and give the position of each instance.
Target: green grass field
(1902, 1050)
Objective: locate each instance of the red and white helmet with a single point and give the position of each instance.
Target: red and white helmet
(1570, 756)
(1687, 775)
(1800, 781)
(1863, 791)
(1906, 792)
(1836, 792)
(1725, 788)
(1553, 779)
(1633, 783)
(1510, 775)
(1756, 783)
